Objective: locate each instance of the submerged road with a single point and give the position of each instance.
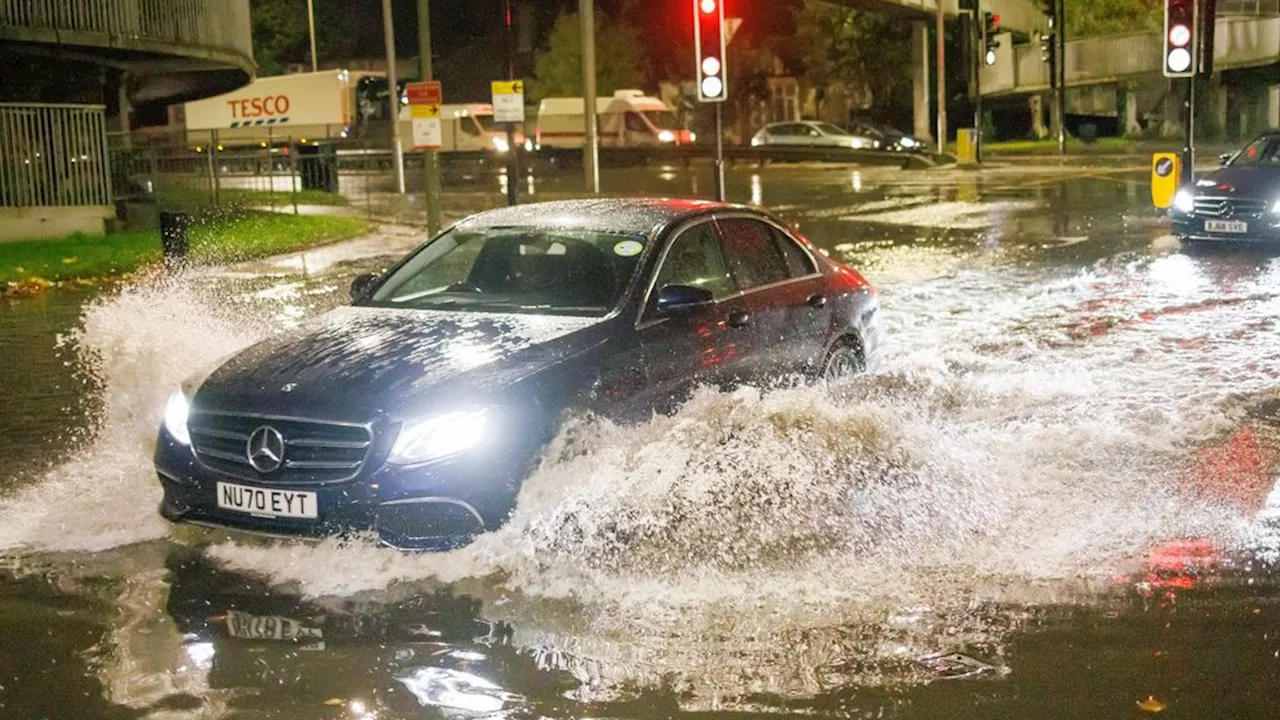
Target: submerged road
(1056, 500)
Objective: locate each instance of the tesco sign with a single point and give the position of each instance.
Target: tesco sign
(265, 106)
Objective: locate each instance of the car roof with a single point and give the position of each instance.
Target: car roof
(622, 215)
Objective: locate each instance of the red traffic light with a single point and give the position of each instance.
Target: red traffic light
(995, 19)
(1179, 36)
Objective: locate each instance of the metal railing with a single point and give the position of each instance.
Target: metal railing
(1249, 7)
(53, 155)
(211, 23)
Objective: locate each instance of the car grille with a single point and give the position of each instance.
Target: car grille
(1221, 207)
(316, 452)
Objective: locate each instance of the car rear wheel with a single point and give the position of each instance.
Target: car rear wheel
(844, 362)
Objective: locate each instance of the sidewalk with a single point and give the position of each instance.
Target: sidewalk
(388, 240)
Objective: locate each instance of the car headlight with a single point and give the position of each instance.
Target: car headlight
(757, 142)
(1184, 201)
(439, 437)
(500, 144)
(693, 136)
(666, 136)
(175, 417)
(1275, 209)
(907, 142)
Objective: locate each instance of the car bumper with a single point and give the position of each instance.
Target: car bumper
(1260, 230)
(433, 507)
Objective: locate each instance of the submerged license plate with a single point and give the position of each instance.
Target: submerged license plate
(256, 627)
(1227, 226)
(267, 502)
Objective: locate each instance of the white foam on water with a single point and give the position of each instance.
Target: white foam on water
(141, 344)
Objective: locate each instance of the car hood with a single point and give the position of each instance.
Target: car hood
(356, 360)
(1261, 182)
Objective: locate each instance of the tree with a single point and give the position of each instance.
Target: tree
(558, 65)
(861, 51)
(1087, 18)
(279, 34)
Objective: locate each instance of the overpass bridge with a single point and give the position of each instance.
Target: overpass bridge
(1107, 73)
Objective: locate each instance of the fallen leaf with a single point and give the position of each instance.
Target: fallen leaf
(334, 702)
(70, 260)
(1151, 704)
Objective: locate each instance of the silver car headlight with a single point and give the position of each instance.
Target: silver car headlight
(175, 417)
(1184, 201)
(439, 436)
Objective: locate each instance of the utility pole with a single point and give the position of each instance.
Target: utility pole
(1060, 33)
(393, 95)
(591, 149)
(513, 166)
(311, 23)
(431, 158)
(942, 81)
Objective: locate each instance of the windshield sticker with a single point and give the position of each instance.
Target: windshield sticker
(628, 248)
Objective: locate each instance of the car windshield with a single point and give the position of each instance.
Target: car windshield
(515, 269)
(1263, 151)
(662, 119)
(489, 124)
(829, 129)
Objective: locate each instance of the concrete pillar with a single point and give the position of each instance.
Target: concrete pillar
(124, 110)
(1218, 103)
(1132, 126)
(922, 117)
(1273, 107)
(1036, 106)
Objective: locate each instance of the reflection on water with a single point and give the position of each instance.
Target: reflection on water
(1056, 501)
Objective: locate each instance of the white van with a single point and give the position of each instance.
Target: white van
(628, 119)
(465, 128)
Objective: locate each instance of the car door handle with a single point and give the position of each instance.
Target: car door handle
(817, 301)
(738, 319)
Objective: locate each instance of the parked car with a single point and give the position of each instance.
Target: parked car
(418, 411)
(1238, 202)
(810, 134)
(888, 137)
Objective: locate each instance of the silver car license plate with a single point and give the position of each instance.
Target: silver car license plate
(1226, 226)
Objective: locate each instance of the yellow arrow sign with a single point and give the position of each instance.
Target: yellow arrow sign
(513, 87)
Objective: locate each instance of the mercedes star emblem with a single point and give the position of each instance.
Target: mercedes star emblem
(265, 449)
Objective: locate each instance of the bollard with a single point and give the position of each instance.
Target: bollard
(173, 239)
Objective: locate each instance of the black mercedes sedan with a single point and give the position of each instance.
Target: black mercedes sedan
(417, 412)
(1238, 202)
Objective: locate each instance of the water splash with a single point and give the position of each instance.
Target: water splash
(140, 344)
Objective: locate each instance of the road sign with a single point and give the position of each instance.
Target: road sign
(425, 99)
(508, 101)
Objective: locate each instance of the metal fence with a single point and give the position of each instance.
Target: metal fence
(53, 155)
(212, 23)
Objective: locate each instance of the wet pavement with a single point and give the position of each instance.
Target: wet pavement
(1056, 500)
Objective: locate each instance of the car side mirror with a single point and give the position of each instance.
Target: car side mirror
(673, 299)
(1224, 158)
(361, 284)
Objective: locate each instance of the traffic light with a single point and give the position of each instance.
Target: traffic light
(1179, 38)
(990, 28)
(709, 39)
(1048, 49)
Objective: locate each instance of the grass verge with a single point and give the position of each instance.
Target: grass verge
(212, 239)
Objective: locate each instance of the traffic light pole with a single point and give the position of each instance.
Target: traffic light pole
(720, 195)
(1189, 133)
(979, 49)
(1060, 71)
(591, 148)
(513, 167)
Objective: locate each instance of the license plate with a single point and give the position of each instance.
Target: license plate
(255, 627)
(1227, 226)
(265, 502)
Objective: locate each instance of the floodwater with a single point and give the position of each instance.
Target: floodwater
(1055, 500)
